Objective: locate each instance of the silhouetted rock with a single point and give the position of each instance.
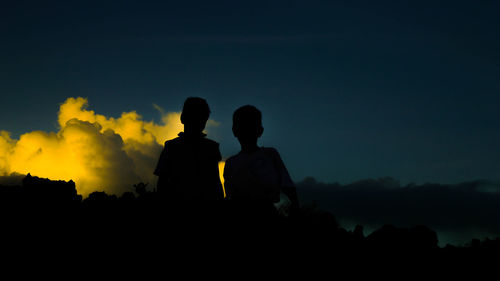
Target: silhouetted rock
(40, 189)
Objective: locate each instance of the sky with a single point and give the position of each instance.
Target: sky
(349, 90)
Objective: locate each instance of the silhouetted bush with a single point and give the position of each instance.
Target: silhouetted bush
(53, 210)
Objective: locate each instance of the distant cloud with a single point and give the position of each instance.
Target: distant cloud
(469, 208)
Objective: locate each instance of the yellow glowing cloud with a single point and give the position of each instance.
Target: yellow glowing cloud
(222, 164)
(97, 152)
(129, 125)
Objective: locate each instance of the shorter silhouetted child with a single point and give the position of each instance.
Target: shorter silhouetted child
(257, 175)
(188, 167)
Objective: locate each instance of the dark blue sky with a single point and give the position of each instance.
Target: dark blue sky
(348, 89)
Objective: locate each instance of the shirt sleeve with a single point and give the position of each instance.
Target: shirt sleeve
(285, 179)
(286, 183)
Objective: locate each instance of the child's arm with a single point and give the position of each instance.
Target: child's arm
(160, 166)
(286, 183)
(161, 170)
(216, 174)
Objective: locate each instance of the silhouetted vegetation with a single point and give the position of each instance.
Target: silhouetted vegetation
(51, 214)
(465, 210)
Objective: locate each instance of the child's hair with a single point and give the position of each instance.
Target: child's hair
(247, 120)
(196, 108)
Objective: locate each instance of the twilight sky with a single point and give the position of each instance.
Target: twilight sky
(348, 89)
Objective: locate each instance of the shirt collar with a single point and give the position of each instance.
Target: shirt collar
(184, 135)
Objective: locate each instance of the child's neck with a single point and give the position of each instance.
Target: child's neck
(249, 148)
(192, 133)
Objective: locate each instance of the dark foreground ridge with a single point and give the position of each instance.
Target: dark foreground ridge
(51, 215)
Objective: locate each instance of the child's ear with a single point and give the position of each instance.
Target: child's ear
(260, 131)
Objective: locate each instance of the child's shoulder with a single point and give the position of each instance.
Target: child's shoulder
(210, 145)
(270, 151)
(232, 158)
(209, 141)
(263, 151)
(181, 140)
(174, 140)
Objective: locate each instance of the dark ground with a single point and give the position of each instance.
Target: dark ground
(45, 218)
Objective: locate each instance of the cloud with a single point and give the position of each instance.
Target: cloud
(129, 125)
(95, 151)
(461, 211)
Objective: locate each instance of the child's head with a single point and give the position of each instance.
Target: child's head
(195, 114)
(247, 124)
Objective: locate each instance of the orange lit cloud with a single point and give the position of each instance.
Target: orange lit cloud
(95, 151)
(222, 164)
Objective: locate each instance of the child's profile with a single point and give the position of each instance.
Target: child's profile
(188, 165)
(256, 174)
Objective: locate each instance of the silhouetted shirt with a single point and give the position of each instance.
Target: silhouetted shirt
(188, 169)
(257, 176)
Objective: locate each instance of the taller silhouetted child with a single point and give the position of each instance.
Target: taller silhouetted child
(188, 166)
(257, 175)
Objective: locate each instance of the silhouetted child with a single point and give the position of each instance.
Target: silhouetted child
(188, 166)
(257, 175)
